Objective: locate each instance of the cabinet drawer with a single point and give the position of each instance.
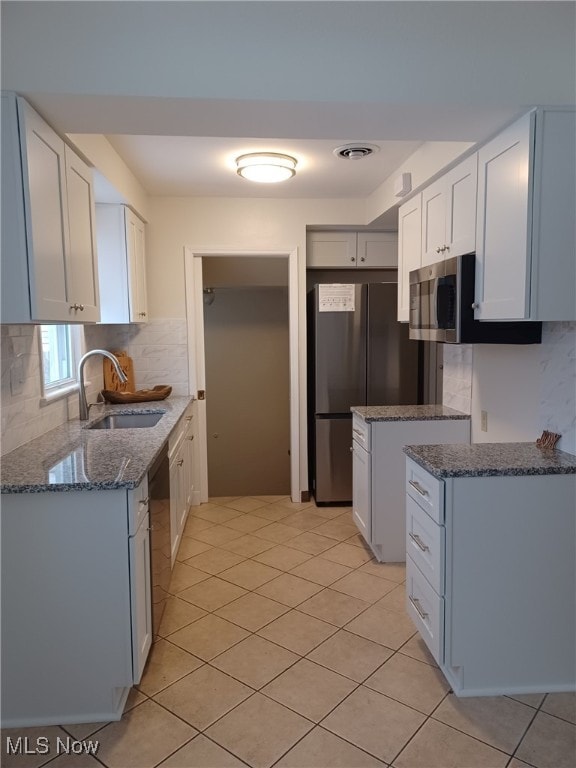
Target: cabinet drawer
(426, 490)
(426, 609)
(425, 544)
(361, 432)
(137, 506)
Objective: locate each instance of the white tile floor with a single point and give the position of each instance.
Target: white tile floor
(285, 644)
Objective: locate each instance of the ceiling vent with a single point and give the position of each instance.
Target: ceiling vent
(355, 151)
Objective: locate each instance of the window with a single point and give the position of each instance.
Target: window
(58, 345)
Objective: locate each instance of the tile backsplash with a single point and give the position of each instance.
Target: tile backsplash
(158, 348)
(457, 376)
(558, 383)
(555, 374)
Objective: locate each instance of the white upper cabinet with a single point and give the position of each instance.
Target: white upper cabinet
(49, 268)
(409, 250)
(525, 244)
(121, 237)
(449, 213)
(377, 250)
(82, 260)
(351, 250)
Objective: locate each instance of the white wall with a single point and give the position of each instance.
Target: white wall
(428, 160)
(102, 155)
(227, 224)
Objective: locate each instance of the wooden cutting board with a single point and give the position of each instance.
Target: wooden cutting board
(111, 380)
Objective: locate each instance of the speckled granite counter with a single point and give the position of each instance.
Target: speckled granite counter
(73, 458)
(491, 459)
(407, 413)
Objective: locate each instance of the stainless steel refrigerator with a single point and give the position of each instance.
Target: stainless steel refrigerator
(359, 355)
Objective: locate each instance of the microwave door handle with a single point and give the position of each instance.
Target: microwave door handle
(434, 305)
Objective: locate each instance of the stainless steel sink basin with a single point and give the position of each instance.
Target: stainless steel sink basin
(127, 421)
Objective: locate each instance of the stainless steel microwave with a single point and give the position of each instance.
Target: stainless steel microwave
(442, 308)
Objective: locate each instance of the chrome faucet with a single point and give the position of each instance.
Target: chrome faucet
(84, 407)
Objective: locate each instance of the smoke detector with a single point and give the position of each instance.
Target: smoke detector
(355, 151)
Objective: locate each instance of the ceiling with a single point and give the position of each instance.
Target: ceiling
(181, 88)
(195, 166)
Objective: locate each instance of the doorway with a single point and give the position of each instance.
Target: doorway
(246, 348)
(193, 260)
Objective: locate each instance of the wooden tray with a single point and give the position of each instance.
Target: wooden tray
(159, 392)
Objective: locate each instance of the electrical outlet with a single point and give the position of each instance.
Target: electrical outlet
(484, 421)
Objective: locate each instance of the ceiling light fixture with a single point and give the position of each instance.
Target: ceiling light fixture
(266, 167)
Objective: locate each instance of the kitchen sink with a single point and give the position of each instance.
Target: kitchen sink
(127, 421)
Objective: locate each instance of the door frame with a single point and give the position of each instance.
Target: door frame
(196, 356)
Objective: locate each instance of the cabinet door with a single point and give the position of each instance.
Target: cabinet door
(377, 250)
(141, 597)
(189, 457)
(503, 221)
(409, 250)
(361, 490)
(461, 185)
(434, 222)
(15, 299)
(136, 247)
(331, 249)
(178, 506)
(82, 265)
(44, 180)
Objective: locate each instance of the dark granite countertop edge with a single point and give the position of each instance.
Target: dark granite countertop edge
(408, 413)
(20, 468)
(443, 473)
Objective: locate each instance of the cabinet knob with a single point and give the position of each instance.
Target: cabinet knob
(474, 305)
(142, 314)
(179, 463)
(352, 258)
(76, 307)
(446, 248)
(144, 502)
(438, 250)
(362, 258)
(191, 438)
(189, 418)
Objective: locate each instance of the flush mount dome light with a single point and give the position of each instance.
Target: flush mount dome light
(266, 167)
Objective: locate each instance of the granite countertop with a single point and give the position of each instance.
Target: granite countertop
(73, 458)
(491, 459)
(407, 413)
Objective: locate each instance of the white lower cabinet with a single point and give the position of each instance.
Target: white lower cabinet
(378, 486)
(181, 462)
(362, 498)
(490, 575)
(141, 597)
(76, 626)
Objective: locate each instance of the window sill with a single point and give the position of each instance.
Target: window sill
(59, 394)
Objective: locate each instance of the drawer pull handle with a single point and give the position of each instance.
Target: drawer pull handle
(418, 541)
(144, 502)
(418, 487)
(416, 603)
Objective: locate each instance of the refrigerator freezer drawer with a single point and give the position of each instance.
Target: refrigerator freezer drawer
(333, 460)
